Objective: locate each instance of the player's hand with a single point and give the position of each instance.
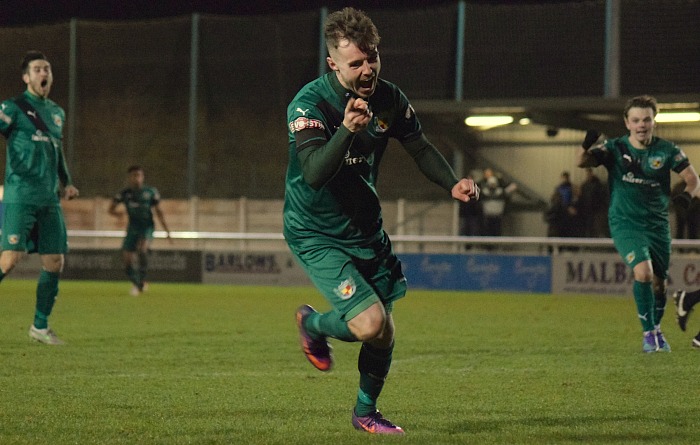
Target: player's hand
(357, 114)
(590, 139)
(70, 192)
(465, 190)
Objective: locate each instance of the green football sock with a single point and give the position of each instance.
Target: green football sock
(133, 275)
(660, 305)
(644, 298)
(373, 364)
(46, 292)
(143, 267)
(328, 325)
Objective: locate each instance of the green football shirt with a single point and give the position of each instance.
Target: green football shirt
(344, 208)
(639, 182)
(35, 165)
(139, 204)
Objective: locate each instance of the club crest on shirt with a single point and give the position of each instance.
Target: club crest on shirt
(13, 239)
(57, 120)
(656, 162)
(346, 289)
(380, 126)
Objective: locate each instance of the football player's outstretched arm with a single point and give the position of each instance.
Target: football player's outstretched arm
(584, 157)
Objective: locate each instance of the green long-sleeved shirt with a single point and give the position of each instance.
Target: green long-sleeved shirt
(35, 165)
(330, 187)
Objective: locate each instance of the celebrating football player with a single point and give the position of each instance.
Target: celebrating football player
(339, 126)
(639, 166)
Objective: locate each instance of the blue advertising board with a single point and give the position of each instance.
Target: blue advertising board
(520, 273)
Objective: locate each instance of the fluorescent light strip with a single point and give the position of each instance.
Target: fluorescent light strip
(678, 117)
(488, 121)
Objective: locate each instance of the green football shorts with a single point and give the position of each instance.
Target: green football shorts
(637, 246)
(352, 279)
(34, 228)
(136, 234)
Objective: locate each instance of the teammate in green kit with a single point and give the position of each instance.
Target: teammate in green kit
(339, 126)
(140, 201)
(34, 173)
(639, 166)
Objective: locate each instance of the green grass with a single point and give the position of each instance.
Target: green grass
(197, 364)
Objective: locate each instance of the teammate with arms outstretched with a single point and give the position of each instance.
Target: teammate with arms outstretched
(639, 166)
(339, 127)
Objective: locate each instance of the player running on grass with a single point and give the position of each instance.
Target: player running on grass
(639, 166)
(339, 126)
(34, 172)
(140, 201)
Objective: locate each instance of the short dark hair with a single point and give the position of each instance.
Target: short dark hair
(644, 101)
(29, 57)
(354, 25)
(134, 168)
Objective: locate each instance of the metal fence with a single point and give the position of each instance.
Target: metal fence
(200, 101)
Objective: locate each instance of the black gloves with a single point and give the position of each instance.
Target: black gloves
(590, 139)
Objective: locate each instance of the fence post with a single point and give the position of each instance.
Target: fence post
(400, 221)
(242, 219)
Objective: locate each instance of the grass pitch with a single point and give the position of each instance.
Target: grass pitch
(199, 364)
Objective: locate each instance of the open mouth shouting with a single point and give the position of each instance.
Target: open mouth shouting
(366, 87)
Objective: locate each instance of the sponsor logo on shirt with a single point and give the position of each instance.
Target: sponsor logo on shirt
(629, 177)
(39, 137)
(350, 160)
(303, 123)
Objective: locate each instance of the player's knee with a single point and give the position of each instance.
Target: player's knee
(8, 260)
(52, 263)
(643, 272)
(369, 324)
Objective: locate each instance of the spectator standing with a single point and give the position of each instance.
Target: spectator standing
(592, 207)
(687, 219)
(561, 212)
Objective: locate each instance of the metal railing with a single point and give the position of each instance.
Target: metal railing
(402, 243)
